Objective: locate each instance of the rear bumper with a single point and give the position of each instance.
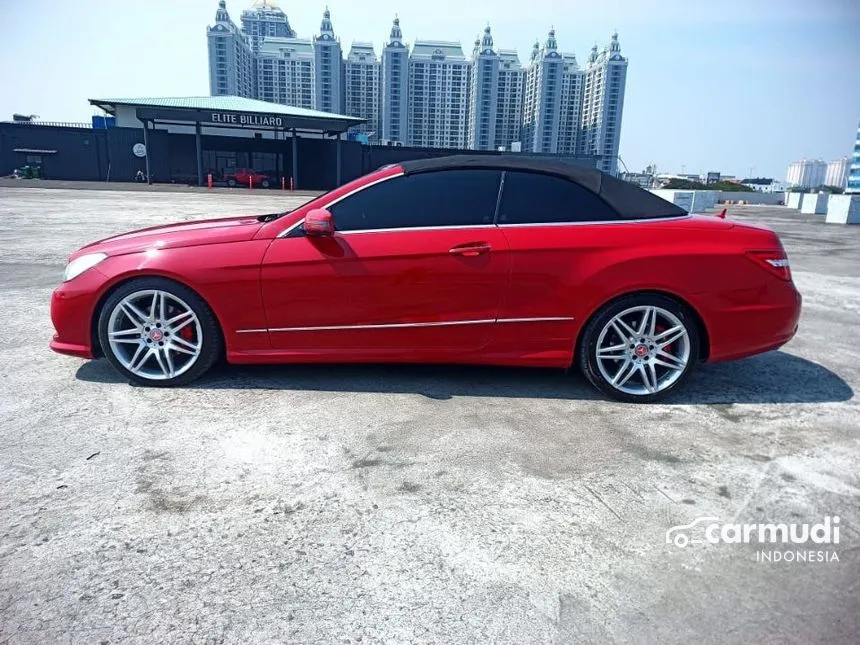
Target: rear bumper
(751, 321)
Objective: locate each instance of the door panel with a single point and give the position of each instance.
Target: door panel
(421, 289)
(546, 221)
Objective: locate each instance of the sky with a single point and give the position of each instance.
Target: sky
(742, 87)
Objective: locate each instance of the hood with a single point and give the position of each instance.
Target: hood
(171, 236)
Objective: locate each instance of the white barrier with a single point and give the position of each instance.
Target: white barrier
(814, 203)
(843, 209)
(692, 201)
(794, 200)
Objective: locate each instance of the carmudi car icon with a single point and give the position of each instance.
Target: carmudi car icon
(681, 536)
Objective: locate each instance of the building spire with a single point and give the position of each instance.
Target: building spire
(221, 14)
(326, 26)
(396, 35)
(551, 43)
(614, 47)
(487, 42)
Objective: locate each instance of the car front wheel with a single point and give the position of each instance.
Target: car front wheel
(640, 348)
(158, 332)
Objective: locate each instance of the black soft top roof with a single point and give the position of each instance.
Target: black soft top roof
(628, 200)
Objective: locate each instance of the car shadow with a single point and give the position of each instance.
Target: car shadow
(775, 377)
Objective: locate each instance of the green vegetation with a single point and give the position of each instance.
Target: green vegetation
(687, 184)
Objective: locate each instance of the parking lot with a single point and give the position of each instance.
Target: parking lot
(425, 504)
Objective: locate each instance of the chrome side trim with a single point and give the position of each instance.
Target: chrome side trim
(286, 231)
(520, 320)
(418, 228)
(449, 323)
(386, 326)
(600, 223)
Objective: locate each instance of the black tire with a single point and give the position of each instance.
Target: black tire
(231, 182)
(265, 183)
(211, 340)
(588, 361)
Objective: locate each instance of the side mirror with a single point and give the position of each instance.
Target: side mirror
(318, 223)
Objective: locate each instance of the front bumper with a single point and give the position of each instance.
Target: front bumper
(72, 307)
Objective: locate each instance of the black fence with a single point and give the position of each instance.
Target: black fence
(92, 154)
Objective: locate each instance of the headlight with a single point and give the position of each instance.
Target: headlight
(77, 266)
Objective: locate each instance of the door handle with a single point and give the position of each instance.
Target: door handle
(471, 250)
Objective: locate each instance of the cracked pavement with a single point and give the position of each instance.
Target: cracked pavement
(413, 504)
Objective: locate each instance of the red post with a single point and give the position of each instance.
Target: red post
(291, 184)
(283, 183)
(251, 182)
(209, 180)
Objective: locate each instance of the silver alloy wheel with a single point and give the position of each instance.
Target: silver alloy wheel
(155, 335)
(643, 350)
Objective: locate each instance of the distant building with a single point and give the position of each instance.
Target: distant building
(641, 179)
(483, 94)
(603, 103)
(438, 96)
(765, 185)
(328, 68)
(361, 81)
(285, 69)
(509, 100)
(395, 86)
(572, 85)
(431, 94)
(837, 173)
(542, 97)
(853, 184)
(265, 20)
(806, 173)
(231, 66)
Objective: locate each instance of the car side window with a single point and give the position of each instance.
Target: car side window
(439, 198)
(535, 198)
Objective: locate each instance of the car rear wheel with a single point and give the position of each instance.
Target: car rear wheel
(231, 182)
(265, 183)
(640, 348)
(157, 332)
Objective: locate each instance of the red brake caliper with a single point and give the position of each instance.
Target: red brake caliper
(659, 329)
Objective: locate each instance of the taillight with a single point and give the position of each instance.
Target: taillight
(775, 261)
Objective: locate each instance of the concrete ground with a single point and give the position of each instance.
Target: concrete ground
(414, 504)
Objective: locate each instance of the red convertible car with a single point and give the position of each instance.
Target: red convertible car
(474, 259)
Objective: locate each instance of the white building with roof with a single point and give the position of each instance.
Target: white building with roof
(328, 68)
(542, 97)
(483, 94)
(285, 72)
(361, 82)
(570, 123)
(438, 95)
(837, 172)
(603, 103)
(806, 173)
(231, 62)
(394, 86)
(509, 99)
(265, 19)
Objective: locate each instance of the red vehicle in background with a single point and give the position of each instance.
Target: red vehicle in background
(244, 177)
